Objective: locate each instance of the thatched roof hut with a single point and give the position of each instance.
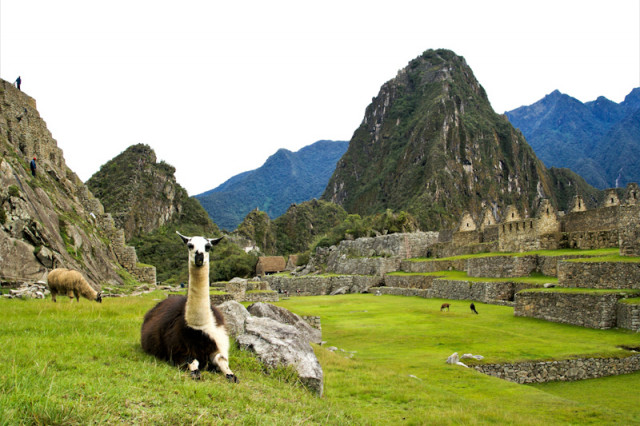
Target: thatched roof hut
(270, 265)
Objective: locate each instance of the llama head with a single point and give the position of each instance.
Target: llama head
(199, 248)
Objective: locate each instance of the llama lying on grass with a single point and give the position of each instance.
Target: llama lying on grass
(188, 330)
(71, 283)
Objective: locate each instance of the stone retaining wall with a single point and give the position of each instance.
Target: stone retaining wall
(588, 309)
(501, 266)
(565, 370)
(434, 265)
(409, 281)
(312, 285)
(261, 296)
(607, 275)
(396, 291)
(486, 292)
(313, 321)
(628, 315)
(363, 266)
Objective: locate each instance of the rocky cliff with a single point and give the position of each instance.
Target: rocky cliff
(142, 194)
(431, 144)
(50, 219)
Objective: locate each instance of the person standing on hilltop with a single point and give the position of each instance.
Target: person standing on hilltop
(18, 82)
(33, 166)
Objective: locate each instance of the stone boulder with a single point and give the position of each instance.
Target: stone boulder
(277, 344)
(284, 316)
(235, 316)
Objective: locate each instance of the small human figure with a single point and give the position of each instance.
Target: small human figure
(33, 166)
(473, 308)
(18, 82)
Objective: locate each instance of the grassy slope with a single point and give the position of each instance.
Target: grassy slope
(80, 363)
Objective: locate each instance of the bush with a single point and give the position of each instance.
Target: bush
(14, 191)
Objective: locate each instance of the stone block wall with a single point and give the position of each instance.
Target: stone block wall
(363, 266)
(260, 296)
(322, 285)
(434, 265)
(466, 238)
(486, 292)
(591, 240)
(313, 321)
(602, 218)
(403, 245)
(603, 275)
(502, 266)
(629, 231)
(518, 236)
(628, 315)
(408, 292)
(409, 281)
(586, 309)
(564, 370)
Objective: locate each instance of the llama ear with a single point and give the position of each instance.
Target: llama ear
(215, 241)
(185, 239)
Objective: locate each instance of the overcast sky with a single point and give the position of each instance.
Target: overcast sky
(215, 88)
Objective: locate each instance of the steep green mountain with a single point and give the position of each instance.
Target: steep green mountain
(145, 200)
(599, 140)
(431, 144)
(142, 194)
(50, 219)
(285, 178)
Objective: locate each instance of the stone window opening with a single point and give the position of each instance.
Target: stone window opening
(531, 225)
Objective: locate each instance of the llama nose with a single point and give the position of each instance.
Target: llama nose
(199, 258)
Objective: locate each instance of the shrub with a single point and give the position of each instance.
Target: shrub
(14, 191)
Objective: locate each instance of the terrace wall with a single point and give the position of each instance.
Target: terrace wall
(603, 275)
(588, 309)
(628, 316)
(564, 370)
(311, 285)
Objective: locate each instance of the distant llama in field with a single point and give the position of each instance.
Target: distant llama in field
(71, 283)
(188, 331)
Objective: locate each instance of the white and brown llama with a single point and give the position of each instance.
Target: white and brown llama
(189, 331)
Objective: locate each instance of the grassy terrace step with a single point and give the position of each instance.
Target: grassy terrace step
(462, 276)
(609, 258)
(551, 253)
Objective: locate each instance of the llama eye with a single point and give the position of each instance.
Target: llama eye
(190, 246)
(207, 247)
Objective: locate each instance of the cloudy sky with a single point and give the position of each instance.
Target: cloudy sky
(217, 87)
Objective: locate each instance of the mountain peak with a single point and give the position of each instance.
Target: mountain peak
(430, 144)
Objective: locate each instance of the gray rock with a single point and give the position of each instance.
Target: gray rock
(286, 317)
(341, 290)
(278, 344)
(235, 316)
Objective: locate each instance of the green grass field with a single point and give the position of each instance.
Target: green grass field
(69, 363)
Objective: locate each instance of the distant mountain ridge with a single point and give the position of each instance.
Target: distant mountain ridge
(285, 178)
(599, 140)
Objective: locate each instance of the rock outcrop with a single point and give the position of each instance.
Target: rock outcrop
(274, 342)
(50, 219)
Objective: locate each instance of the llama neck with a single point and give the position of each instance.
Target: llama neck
(198, 308)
